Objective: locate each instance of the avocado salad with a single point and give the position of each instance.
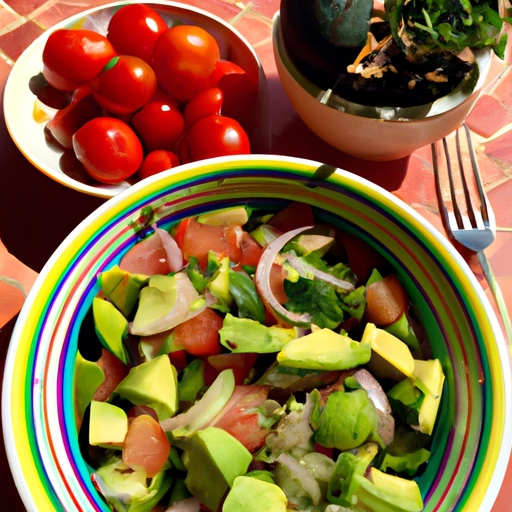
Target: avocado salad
(256, 362)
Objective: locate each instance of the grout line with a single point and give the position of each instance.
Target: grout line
(13, 25)
(7, 7)
(6, 58)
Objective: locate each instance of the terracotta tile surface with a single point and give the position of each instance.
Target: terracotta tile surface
(411, 179)
(14, 42)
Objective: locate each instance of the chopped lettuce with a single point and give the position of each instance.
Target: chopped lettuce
(407, 463)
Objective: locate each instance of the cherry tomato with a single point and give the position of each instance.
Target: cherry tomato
(146, 445)
(215, 136)
(126, 84)
(184, 58)
(199, 336)
(74, 57)
(241, 364)
(205, 104)
(109, 149)
(158, 161)
(66, 122)
(134, 29)
(238, 88)
(159, 124)
(293, 216)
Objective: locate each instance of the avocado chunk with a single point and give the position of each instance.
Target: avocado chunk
(265, 234)
(392, 350)
(324, 349)
(407, 463)
(253, 495)
(304, 245)
(406, 399)
(164, 303)
(214, 459)
(153, 383)
(428, 376)
(225, 217)
(245, 335)
(88, 378)
(126, 490)
(108, 425)
(121, 287)
(347, 421)
(342, 483)
(388, 493)
(219, 284)
(111, 327)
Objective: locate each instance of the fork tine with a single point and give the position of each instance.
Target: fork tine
(467, 196)
(442, 205)
(487, 215)
(455, 205)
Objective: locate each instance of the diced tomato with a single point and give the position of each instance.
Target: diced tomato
(210, 373)
(147, 258)
(241, 364)
(179, 359)
(146, 445)
(386, 301)
(115, 371)
(277, 277)
(199, 336)
(241, 424)
(324, 451)
(233, 235)
(141, 410)
(362, 258)
(179, 234)
(294, 216)
(251, 250)
(199, 239)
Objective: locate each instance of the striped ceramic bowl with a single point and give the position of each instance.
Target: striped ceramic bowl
(470, 448)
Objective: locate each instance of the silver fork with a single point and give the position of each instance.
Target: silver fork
(475, 228)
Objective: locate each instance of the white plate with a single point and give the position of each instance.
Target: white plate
(19, 101)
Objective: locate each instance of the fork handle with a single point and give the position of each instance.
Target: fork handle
(498, 296)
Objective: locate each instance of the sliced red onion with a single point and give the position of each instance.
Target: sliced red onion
(188, 505)
(385, 420)
(174, 254)
(186, 295)
(262, 279)
(306, 270)
(299, 472)
(204, 411)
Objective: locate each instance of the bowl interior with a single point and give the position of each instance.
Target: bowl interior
(444, 104)
(470, 451)
(27, 130)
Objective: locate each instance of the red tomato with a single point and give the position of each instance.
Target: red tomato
(199, 239)
(386, 301)
(362, 258)
(241, 246)
(183, 60)
(179, 359)
(109, 149)
(115, 371)
(242, 425)
(126, 84)
(159, 124)
(205, 104)
(216, 136)
(158, 161)
(68, 121)
(181, 229)
(141, 410)
(146, 445)
(134, 29)
(74, 57)
(241, 364)
(238, 88)
(147, 258)
(199, 336)
(277, 277)
(294, 216)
